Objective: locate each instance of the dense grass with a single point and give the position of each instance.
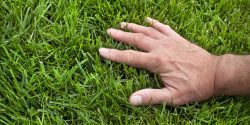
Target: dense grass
(51, 73)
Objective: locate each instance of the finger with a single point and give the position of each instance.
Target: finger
(130, 57)
(165, 29)
(151, 97)
(148, 31)
(137, 39)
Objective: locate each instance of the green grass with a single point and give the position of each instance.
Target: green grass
(51, 72)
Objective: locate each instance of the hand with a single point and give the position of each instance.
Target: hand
(187, 71)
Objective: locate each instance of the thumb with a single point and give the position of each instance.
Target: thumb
(151, 97)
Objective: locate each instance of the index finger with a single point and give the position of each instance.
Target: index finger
(130, 57)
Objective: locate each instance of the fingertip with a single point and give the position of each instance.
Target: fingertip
(149, 19)
(104, 52)
(111, 31)
(123, 25)
(135, 100)
(151, 96)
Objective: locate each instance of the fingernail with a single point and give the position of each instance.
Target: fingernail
(148, 19)
(136, 100)
(104, 52)
(123, 25)
(111, 31)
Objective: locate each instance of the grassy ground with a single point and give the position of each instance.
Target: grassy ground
(51, 73)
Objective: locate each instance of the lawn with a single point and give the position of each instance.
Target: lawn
(51, 72)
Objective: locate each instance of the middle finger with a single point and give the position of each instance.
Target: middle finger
(148, 31)
(139, 40)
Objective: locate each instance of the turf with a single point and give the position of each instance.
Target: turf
(51, 72)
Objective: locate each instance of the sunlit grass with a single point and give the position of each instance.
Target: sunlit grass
(51, 72)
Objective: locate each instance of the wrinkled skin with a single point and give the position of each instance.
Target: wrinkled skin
(187, 71)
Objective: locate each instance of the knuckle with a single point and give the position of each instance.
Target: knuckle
(154, 22)
(167, 43)
(150, 31)
(129, 57)
(147, 95)
(167, 27)
(138, 37)
(115, 54)
(157, 63)
(130, 26)
(158, 60)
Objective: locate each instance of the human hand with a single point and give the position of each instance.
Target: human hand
(187, 71)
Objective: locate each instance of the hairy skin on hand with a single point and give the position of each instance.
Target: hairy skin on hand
(189, 73)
